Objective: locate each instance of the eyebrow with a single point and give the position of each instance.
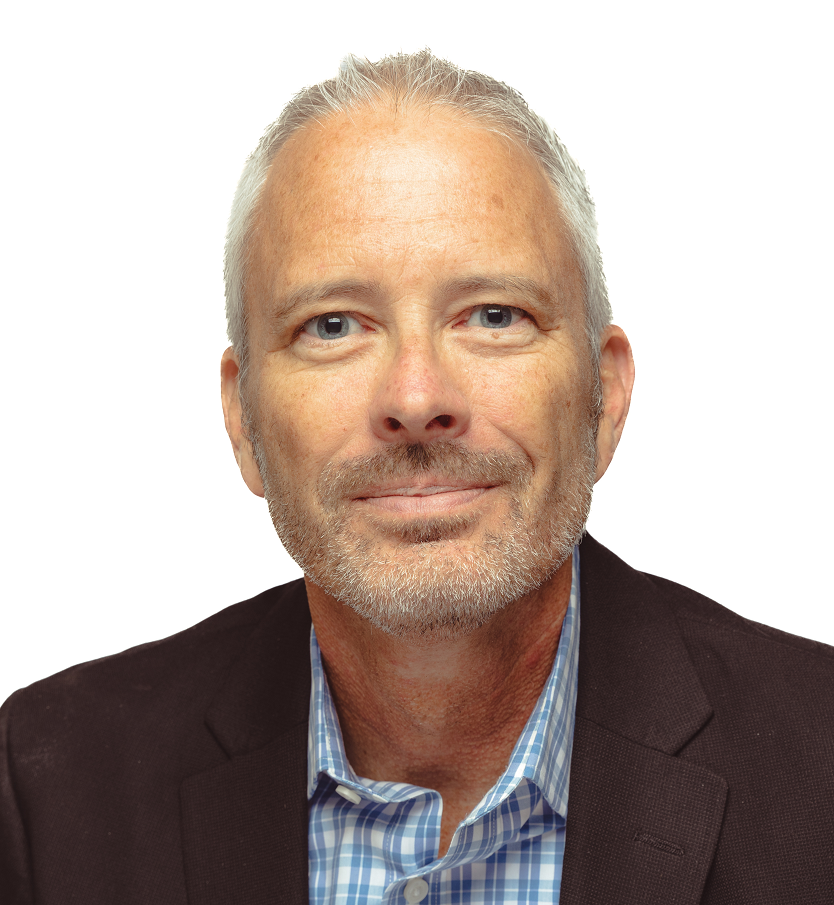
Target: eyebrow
(507, 283)
(460, 287)
(320, 292)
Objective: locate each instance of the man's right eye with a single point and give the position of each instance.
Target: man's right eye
(333, 325)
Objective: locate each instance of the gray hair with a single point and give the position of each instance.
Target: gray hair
(419, 79)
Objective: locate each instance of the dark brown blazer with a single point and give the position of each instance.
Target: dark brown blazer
(703, 760)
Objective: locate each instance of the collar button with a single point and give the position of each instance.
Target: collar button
(353, 797)
(415, 890)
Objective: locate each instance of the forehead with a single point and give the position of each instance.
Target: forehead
(410, 193)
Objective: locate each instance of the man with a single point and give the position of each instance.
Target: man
(424, 384)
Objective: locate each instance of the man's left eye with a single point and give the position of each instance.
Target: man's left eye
(494, 317)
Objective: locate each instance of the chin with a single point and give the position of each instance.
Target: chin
(441, 575)
(438, 588)
(438, 530)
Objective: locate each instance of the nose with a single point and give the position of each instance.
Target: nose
(418, 400)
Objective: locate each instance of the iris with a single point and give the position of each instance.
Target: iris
(495, 316)
(333, 326)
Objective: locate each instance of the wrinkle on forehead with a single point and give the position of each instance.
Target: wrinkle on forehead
(373, 179)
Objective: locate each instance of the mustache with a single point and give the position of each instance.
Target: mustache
(441, 458)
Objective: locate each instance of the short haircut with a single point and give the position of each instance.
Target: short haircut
(400, 81)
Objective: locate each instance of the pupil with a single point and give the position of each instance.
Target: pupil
(332, 325)
(496, 317)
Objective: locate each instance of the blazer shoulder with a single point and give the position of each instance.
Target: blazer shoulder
(616, 578)
(92, 759)
(690, 605)
(188, 665)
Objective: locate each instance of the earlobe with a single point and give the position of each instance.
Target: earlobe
(233, 417)
(616, 373)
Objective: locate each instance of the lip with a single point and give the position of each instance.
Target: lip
(423, 497)
(428, 486)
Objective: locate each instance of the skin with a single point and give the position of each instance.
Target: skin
(407, 205)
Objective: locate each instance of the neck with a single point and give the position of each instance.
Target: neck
(439, 713)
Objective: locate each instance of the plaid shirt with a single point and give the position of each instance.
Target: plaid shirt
(382, 845)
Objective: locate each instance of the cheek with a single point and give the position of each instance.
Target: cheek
(534, 403)
(310, 417)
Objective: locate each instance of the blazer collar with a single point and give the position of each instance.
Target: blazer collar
(268, 688)
(244, 823)
(635, 675)
(642, 824)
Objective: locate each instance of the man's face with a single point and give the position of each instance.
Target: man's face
(420, 390)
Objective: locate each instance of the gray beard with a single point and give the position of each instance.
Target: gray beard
(437, 582)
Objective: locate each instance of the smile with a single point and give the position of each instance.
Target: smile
(422, 500)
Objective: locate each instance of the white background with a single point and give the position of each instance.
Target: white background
(705, 131)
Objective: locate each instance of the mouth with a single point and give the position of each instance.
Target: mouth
(423, 497)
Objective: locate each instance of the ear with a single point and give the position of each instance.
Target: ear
(233, 416)
(616, 374)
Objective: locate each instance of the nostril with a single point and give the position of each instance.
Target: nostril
(442, 420)
(392, 424)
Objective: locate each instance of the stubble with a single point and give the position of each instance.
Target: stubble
(443, 575)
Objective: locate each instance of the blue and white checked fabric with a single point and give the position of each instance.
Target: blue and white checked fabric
(508, 850)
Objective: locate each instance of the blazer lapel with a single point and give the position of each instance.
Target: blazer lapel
(244, 823)
(642, 824)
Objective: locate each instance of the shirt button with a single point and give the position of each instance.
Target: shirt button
(416, 890)
(353, 798)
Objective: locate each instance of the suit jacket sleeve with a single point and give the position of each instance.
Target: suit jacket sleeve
(15, 874)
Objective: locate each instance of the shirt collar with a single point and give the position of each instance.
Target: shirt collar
(541, 755)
